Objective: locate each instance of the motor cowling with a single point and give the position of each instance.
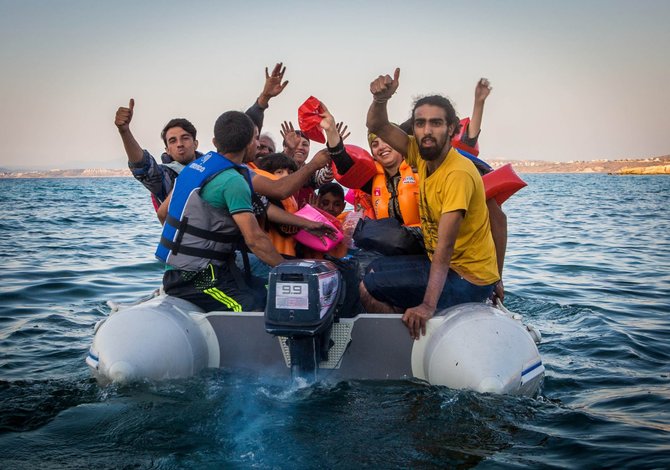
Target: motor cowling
(303, 296)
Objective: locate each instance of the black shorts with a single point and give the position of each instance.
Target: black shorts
(217, 288)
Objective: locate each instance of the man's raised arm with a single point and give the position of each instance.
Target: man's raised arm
(482, 91)
(273, 86)
(382, 88)
(285, 187)
(122, 120)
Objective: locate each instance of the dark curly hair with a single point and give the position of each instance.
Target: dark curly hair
(233, 131)
(441, 102)
(276, 161)
(178, 122)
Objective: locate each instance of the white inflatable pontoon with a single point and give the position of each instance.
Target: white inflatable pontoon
(471, 346)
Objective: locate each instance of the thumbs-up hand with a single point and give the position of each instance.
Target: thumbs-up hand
(384, 86)
(124, 116)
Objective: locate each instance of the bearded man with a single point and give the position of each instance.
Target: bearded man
(460, 265)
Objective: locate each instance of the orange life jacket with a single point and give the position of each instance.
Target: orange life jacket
(408, 195)
(284, 244)
(363, 200)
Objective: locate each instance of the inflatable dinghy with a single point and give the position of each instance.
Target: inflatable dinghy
(470, 346)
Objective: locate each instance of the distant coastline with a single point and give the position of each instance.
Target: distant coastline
(630, 166)
(76, 173)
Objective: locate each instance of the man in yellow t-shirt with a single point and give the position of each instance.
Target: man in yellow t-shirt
(461, 265)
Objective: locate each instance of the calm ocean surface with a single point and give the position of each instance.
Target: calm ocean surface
(588, 264)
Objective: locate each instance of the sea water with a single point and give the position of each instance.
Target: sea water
(588, 264)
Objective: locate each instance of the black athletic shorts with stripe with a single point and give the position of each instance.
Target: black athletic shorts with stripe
(222, 288)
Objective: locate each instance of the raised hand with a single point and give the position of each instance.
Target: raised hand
(288, 133)
(482, 90)
(321, 158)
(330, 128)
(122, 120)
(124, 116)
(327, 120)
(383, 87)
(273, 84)
(286, 127)
(342, 130)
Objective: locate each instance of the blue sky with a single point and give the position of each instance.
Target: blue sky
(571, 80)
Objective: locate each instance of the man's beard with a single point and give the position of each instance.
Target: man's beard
(431, 153)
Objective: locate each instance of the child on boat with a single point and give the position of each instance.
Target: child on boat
(330, 202)
(331, 199)
(279, 164)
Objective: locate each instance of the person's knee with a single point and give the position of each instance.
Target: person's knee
(365, 296)
(371, 303)
(362, 290)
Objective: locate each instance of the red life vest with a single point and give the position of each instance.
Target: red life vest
(457, 141)
(361, 172)
(502, 183)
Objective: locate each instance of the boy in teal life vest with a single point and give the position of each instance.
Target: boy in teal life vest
(210, 213)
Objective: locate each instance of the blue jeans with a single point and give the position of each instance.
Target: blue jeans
(258, 268)
(401, 281)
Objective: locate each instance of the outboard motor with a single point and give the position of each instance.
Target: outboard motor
(302, 298)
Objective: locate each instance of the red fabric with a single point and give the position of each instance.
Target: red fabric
(350, 197)
(309, 120)
(303, 195)
(362, 171)
(331, 218)
(457, 140)
(155, 202)
(502, 183)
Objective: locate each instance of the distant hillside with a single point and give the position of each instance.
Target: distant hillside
(638, 166)
(649, 166)
(87, 173)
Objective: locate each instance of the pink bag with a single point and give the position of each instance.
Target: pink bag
(312, 241)
(350, 197)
